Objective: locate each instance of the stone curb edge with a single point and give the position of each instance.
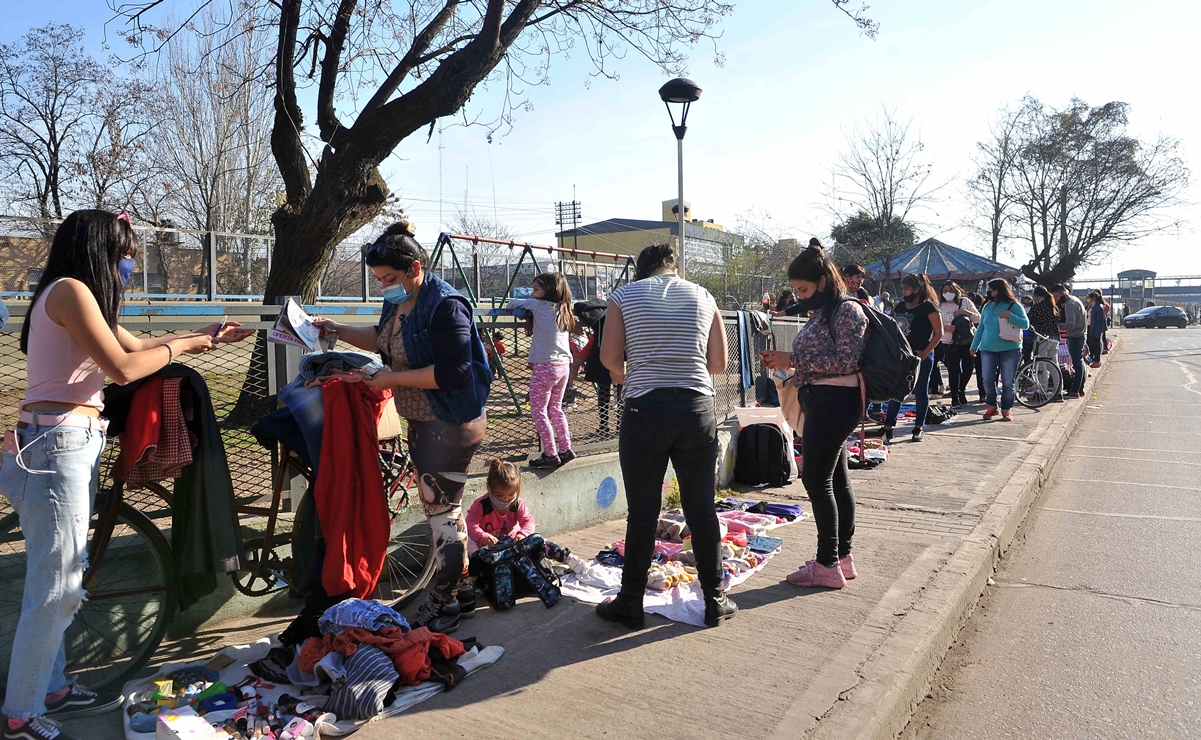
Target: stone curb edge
(897, 676)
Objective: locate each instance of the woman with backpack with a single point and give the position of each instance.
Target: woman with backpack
(999, 343)
(921, 322)
(826, 355)
(959, 317)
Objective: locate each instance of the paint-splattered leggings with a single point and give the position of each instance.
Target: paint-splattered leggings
(441, 453)
(546, 406)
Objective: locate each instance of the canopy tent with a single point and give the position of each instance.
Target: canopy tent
(942, 262)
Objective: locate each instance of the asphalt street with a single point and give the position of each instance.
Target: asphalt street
(1093, 627)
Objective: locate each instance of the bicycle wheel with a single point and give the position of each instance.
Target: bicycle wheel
(409, 564)
(130, 601)
(1038, 383)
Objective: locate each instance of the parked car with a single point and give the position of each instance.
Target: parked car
(1157, 317)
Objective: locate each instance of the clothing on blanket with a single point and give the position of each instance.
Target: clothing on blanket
(364, 614)
(360, 693)
(410, 652)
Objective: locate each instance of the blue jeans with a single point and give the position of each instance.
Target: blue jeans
(921, 391)
(1076, 350)
(52, 494)
(1006, 363)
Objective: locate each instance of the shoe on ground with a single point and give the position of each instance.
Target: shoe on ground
(815, 575)
(990, 412)
(1006, 416)
(438, 616)
(624, 610)
(37, 728)
(1095, 365)
(466, 599)
(877, 432)
(566, 456)
(957, 404)
(846, 565)
(1074, 395)
(917, 434)
(82, 702)
(546, 461)
(719, 610)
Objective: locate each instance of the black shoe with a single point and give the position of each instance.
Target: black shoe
(566, 456)
(621, 609)
(719, 610)
(546, 461)
(81, 702)
(37, 728)
(466, 599)
(956, 404)
(917, 434)
(438, 616)
(878, 432)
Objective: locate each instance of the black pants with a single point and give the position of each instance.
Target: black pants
(1094, 347)
(979, 376)
(936, 374)
(681, 426)
(959, 369)
(831, 414)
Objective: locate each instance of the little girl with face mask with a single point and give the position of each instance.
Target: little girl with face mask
(503, 513)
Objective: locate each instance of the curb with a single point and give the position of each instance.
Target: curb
(896, 677)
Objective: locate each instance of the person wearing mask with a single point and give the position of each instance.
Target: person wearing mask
(955, 307)
(1044, 327)
(978, 301)
(664, 340)
(1097, 321)
(1072, 320)
(999, 355)
(787, 298)
(826, 355)
(918, 317)
(853, 276)
(52, 463)
(437, 370)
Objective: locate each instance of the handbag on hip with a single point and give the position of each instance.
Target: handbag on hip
(1008, 331)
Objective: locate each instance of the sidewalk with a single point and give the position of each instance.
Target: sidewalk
(794, 662)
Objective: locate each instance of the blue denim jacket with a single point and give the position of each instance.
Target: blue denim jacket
(453, 405)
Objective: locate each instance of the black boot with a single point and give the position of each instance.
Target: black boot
(718, 609)
(623, 609)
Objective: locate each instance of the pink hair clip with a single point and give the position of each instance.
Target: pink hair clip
(125, 217)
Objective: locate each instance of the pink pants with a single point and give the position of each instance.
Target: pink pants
(546, 406)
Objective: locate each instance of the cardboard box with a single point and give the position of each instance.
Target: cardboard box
(183, 724)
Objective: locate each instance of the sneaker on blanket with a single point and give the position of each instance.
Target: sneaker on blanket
(466, 599)
(438, 616)
(82, 702)
(576, 563)
(37, 728)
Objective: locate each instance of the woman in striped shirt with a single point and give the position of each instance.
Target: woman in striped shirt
(664, 340)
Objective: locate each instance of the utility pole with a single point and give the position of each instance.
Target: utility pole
(566, 213)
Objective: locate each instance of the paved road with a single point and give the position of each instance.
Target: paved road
(1093, 629)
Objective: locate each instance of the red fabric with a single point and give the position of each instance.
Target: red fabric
(142, 431)
(410, 651)
(173, 453)
(349, 491)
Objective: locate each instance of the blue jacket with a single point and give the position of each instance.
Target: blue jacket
(988, 335)
(452, 405)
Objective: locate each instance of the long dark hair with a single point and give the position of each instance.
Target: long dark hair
(87, 247)
(811, 265)
(558, 292)
(919, 282)
(396, 248)
(1004, 292)
(1041, 292)
(654, 258)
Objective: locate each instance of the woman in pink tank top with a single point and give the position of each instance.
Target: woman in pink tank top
(51, 461)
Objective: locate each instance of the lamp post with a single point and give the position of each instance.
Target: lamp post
(684, 92)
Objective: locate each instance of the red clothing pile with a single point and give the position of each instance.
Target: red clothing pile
(156, 444)
(410, 652)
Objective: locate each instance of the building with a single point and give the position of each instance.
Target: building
(705, 241)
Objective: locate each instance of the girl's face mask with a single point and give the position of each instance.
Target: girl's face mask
(125, 268)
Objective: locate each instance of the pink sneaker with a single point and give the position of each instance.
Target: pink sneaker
(816, 575)
(847, 565)
(1006, 416)
(990, 413)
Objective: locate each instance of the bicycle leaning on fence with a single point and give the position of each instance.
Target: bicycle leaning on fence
(130, 585)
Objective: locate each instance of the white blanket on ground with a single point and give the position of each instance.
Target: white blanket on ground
(472, 661)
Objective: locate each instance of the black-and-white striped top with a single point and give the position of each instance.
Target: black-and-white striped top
(667, 322)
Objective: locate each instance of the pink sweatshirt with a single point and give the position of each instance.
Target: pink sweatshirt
(483, 520)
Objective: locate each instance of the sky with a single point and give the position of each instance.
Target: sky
(771, 120)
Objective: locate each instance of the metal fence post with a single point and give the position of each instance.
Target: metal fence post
(210, 249)
(366, 274)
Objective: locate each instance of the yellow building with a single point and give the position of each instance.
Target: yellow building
(706, 242)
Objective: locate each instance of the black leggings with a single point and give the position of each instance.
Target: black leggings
(959, 368)
(441, 453)
(831, 414)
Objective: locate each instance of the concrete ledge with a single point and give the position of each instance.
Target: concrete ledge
(896, 677)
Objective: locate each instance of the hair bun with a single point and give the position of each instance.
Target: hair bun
(406, 227)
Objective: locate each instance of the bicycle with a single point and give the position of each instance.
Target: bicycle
(1039, 380)
(130, 582)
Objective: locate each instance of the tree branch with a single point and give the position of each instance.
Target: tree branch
(286, 144)
(327, 117)
(414, 57)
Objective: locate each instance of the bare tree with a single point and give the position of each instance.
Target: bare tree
(472, 223)
(113, 152)
(885, 173)
(1081, 186)
(987, 189)
(384, 72)
(48, 88)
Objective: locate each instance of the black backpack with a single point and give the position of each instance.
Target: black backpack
(762, 456)
(963, 332)
(889, 366)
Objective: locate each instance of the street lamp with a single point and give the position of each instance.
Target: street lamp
(685, 92)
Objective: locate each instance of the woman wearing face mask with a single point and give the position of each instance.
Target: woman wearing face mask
(439, 377)
(998, 355)
(826, 355)
(919, 318)
(956, 307)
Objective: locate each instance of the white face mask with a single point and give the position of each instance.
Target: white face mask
(948, 297)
